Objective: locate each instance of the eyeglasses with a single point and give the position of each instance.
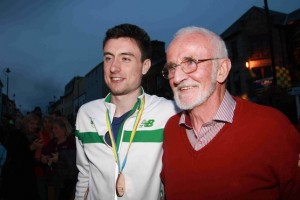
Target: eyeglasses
(188, 66)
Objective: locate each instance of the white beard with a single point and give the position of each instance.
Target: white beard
(200, 97)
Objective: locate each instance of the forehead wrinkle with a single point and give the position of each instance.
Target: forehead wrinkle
(194, 43)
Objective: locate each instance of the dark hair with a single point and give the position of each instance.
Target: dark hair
(134, 32)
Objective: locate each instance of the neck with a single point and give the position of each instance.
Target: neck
(125, 103)
(206, 111)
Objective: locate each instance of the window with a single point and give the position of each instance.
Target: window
(262, 72)
(259, 47)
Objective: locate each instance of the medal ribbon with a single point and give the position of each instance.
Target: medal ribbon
(113, 142)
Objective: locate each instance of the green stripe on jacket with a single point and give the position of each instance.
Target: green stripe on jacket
(140, 136)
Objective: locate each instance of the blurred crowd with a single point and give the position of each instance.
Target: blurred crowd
(37, 157)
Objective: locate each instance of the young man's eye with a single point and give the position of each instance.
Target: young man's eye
(107, 59)
(126, 59)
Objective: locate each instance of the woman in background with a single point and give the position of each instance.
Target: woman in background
(60, 156)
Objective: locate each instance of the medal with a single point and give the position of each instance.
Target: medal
(120, 185)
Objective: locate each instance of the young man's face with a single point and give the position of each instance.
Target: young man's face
(123, 68)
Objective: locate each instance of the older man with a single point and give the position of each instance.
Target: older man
(220, 146)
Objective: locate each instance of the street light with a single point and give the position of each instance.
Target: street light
(6, 72)
(248, 65)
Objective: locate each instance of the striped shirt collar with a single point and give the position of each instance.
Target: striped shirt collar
(224, 113)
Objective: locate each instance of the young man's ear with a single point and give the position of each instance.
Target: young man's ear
(223, 70)
(146, 66)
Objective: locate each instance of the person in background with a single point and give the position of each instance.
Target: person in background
(119, 138)
(8, 124)
(38, 111)
(220, 146)
(19, 181)
(60, 157)
(45, 134)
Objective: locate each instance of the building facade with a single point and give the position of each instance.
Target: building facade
(264, 49)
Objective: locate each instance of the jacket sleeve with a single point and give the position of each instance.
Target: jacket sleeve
(81, 160)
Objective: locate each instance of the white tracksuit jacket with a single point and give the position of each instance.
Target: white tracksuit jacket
(95, 160)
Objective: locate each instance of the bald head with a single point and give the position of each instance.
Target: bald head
(211, 40)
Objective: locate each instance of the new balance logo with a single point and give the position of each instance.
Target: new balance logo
(92, 123)
(147, 123)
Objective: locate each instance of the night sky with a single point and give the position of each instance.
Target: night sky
(46, 43)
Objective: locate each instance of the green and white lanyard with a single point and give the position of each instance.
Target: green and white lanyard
(113, 141)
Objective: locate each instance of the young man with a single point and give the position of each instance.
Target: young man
(222, 147)
(119, 138)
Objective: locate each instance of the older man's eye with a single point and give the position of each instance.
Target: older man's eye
(171, 67)
(189, 61)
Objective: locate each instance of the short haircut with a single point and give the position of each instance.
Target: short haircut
(215, 40)
(134, 32)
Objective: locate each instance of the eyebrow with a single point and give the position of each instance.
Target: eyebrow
(184, 58)
(188, 58)
(107, 53)
(123, 54)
